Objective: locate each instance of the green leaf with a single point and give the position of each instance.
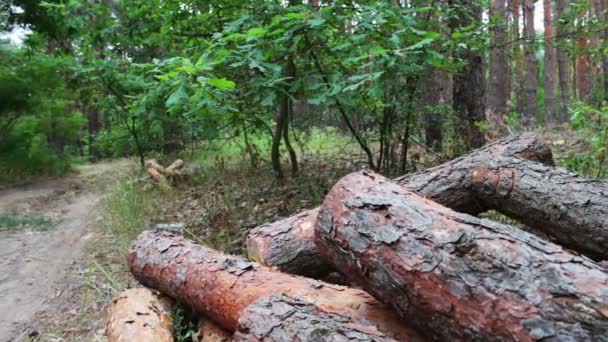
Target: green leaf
(420, 44)
(221, 83)
(179, 95)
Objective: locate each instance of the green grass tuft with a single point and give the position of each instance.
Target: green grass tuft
(14, 221)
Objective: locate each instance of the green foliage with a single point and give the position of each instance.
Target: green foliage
(591, 124)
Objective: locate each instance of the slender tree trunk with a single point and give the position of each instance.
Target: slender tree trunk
(582, 64)
(499, 87)
(275, 150)
(529, 116)
(604, 36)
(292, 153)
(469, 83)
(518, 65)
(549, 63)
(562, 67)
(432, 97)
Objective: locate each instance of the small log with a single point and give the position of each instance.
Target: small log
(153, 164)
(284, 318)
(208, 331)
(140, 314)
(156, 176)
(175, 169)
(288, 244)
(569, 208)
(220, 286)
(456, 277)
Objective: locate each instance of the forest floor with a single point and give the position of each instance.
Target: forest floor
(45, 228)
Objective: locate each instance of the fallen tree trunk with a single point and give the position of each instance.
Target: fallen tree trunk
(285, 318)
(140, 314)
(220, 286)
(455, 276)
(208, 331)
(288, 244)
(565, 206)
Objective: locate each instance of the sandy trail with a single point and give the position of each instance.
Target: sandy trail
(34, 263)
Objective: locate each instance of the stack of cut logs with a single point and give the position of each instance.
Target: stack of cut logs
(163, 175)
(420, 266)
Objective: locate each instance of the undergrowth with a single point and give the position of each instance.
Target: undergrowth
(14, 221)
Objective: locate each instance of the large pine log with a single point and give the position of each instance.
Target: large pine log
(283, 318)
(140, 314)
(220, 286)
(288, 244)
(565, 206)
(455, 276)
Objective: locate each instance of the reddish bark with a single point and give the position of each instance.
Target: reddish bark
(529, 117)
(289, 243)
(220, 286)
(549, 63)
(565, 206)
(285, 318)
(458, 278)
(499, 85)
(582, 69)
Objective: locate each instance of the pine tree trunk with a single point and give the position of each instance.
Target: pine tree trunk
(284, 318)
(549, 63)
(221, 286)
(529, 116)
(562, 67)
(456, 277)
(499, 87)
(469, 83)
(288, 243)
(432, 97)
(582, 69)
(518, 67)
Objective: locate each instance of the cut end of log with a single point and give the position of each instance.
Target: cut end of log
(208, 331)
(140, 314)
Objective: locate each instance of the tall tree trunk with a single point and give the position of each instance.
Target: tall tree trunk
(529, 116)
(518, 67)
(582, 64)
(549, 63)
(469, 83)
(499, 87)
(562, 67)
(293, 157)
(275, 150)
(432, 97)
(604, 36)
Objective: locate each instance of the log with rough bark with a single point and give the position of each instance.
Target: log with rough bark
(208, 331)
(288, 244)
(285, 318)
(140, 314)
(457, 277)
(565, 206)
(220, 286)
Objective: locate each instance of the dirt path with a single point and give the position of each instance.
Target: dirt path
(35, 258)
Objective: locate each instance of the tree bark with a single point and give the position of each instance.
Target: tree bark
(469, 83)
(289, 245)
(565, 206)
(582, 69)
(529, 116)
(285, 318)
(220, 286)
(140, 314)
(499, 87)
(562, 67)
(208, 331)
(604, 36)
(455, 277)
(549, 63)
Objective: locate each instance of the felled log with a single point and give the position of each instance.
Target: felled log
(220, 286)
(456, 277)
(565, 206)
(140, 314)
(284, 318)
(445, 183)
(156, 176)
(175, 169)
(153, 164)
(288, 244)
(208, 331)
